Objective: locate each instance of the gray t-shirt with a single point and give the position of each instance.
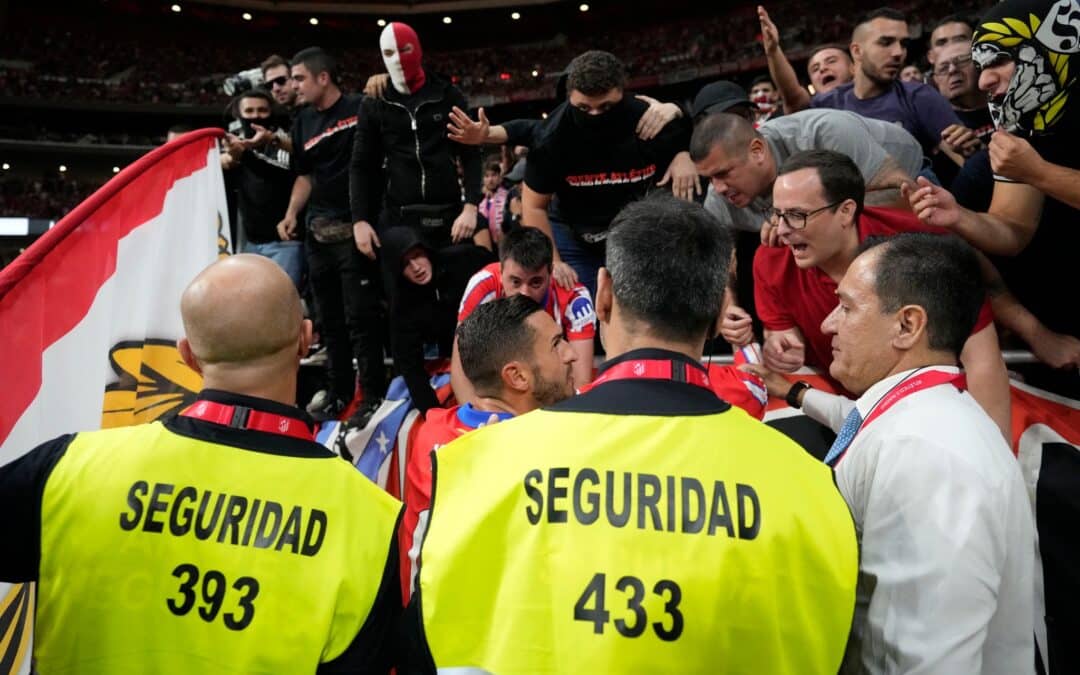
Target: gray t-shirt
(866, 141)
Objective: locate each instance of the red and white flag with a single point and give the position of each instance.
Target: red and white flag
(91, 314)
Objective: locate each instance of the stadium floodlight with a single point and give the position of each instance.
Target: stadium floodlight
(536, 73)
(583, 7)
(447, 20)
(63, 168)
(247, 16)
(313, 21)
(6, 166)
(381, 22)
(515, 15)
(175, 8)
(116, 169)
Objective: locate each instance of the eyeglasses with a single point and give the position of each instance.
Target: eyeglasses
(943, 67)
(278, 81)
(796, 220)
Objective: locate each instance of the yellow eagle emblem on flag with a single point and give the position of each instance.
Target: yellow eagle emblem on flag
(153, 381)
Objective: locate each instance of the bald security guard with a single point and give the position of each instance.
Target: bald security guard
(222, 540)
(645, 525)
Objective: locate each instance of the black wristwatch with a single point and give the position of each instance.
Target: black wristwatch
(792, 397)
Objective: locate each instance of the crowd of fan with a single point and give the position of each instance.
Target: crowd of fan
(51, 196)
(152, 67)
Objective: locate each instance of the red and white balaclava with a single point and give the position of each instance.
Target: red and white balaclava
(404, 65)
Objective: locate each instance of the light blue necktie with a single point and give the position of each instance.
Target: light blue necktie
(844, 438)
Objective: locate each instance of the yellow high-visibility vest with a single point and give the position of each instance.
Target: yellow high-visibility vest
(169, 554)
(572, 542)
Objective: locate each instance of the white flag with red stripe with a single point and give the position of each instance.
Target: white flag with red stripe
(91, 314)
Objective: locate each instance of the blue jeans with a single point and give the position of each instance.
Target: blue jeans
(289, 255)
(585, 263)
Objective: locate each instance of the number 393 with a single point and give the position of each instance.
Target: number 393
(634, 589)
(212, 591)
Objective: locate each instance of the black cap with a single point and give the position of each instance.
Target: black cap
(718, 97)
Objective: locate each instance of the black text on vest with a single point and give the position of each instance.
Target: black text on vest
(643, 500)
(223, 518)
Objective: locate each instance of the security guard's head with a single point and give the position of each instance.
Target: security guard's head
(244, 328)
(663, 285)
(514, 351)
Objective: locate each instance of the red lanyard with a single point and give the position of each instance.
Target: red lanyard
(910, 385)
(655, 369)
(241, 417)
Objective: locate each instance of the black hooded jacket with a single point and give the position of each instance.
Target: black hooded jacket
(425, 314)
(409, 133)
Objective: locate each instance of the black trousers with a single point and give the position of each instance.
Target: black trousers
(348, 291)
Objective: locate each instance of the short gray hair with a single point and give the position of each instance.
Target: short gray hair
(668, 260)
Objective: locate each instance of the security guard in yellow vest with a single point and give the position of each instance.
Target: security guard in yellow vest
(645, 525)
(224, 540)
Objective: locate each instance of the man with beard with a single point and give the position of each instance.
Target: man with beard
(517, 360)
(405, 132)
(277, 78)
(524, 268)
(879, 47)
(588, 156)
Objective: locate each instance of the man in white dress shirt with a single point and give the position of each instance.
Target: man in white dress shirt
(945, 527)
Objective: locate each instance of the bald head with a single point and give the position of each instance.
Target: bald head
(240, 310)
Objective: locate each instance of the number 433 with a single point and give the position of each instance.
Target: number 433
(598, 615)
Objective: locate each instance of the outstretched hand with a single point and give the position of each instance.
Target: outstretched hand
(465, 130)
(932, 204)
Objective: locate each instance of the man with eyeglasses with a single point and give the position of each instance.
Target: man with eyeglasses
(819, 214)
(956, 78)
(278, 82)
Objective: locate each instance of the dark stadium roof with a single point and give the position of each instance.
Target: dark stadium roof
(369, 7)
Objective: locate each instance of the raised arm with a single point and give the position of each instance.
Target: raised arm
(795, 97)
